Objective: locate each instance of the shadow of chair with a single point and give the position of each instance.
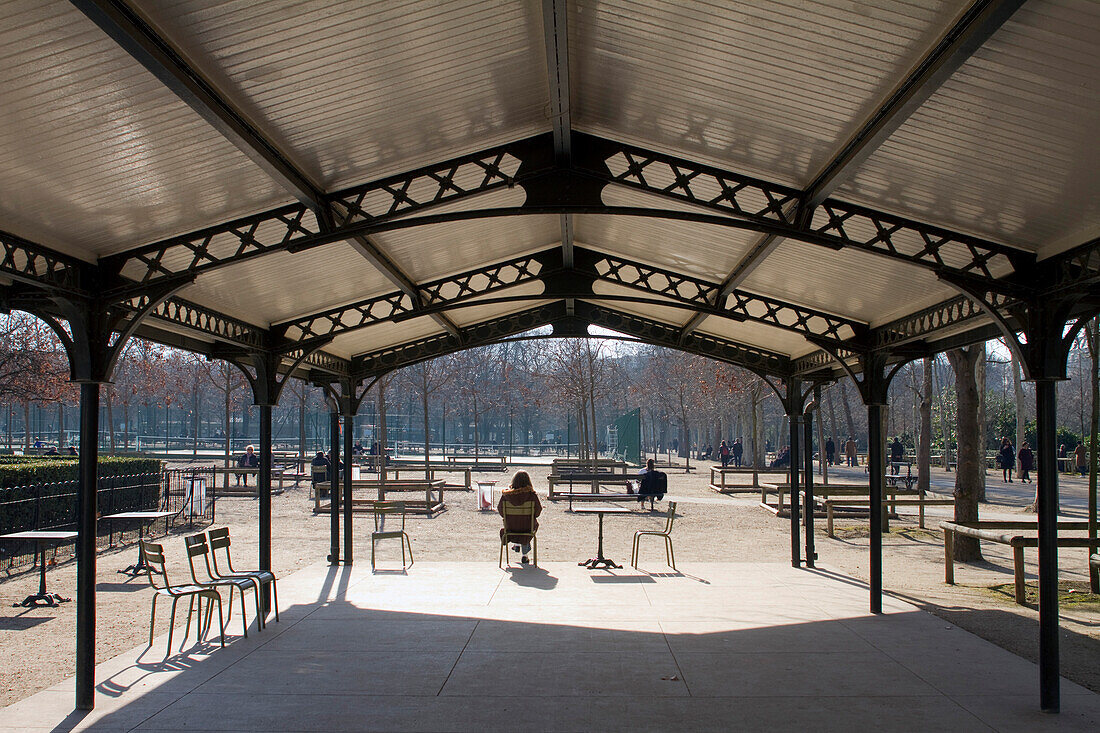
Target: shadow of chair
(666, 534)
(153, 554)
(392, 509)
(526, 510)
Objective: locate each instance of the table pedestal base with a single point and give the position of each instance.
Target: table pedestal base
(50, 600)
(597, 563)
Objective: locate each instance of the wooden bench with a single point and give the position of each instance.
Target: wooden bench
(887, 506)
(431, 503)
(593, 480)
(988, 532)
(821, 491)
(720, 483)
(562, 466)
(246, 490)
(478, 463)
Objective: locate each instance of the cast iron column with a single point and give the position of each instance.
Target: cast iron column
(85, 546)
(349, 434)
(1047, 504)
(334, 488)
(808, 428)
(877, 475)
(796, 429)
(264, 491)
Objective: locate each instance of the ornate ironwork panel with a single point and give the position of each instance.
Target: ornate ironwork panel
(28, 262)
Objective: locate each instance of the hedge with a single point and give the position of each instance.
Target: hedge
(31, 470)
(40, 492)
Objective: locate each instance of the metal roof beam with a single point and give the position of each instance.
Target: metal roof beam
(959, 43)
(974, 27)
(138, 38)
(555, 21)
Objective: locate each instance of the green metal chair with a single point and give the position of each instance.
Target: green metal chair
(391, 509)
(526, 509)
(153, 554)
(196, 546)
(670, 556)
(219, 540)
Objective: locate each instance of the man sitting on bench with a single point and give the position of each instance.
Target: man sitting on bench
(653, 486)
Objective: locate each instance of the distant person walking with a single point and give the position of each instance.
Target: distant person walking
(1081, 458)
(724, 454)
(830, 451)
(738, 451)
(1007, 458)
(850, 451)
(1027, 462)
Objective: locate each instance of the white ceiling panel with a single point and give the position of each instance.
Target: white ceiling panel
(97, 154)
(471, 314)
(772, 87)
(354, 90)
(1007, 148)
(382, 336)
(440, 250)
(707, 251)
(758, 335)
(847, 282)
(281, 286)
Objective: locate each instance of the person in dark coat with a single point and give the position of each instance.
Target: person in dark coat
(517, 493)
(897, 455)
(738, 451)
(1007, 458)
(653, 484)
(1027, 462)
(783, 459)
(724, 454)
(248, 459)
(830, 451)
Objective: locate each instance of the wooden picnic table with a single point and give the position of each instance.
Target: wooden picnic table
(593, 480)
(276, 473)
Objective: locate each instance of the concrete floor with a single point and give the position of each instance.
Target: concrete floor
(466, 646)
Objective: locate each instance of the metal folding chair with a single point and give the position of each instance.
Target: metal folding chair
(196, 546)
(526, 509)
(382, 510)
(219, 540)
(666, 534)
(153, 555)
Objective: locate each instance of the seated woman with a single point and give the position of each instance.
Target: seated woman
(517, 493)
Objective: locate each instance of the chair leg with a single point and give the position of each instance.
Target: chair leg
(172, 626)
(405, 538)
(221, 619)
(535, 547)
(402, 538)
(500, 562)
(275, 599)
(372, 554)
(634, 551)
(229, 615)
(671, 553)
(153, 618)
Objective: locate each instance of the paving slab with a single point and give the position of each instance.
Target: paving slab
(468, 646)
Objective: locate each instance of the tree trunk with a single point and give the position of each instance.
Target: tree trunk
(847, 410)
(968, 470)
(427, 428)
(383, 438)
(110, 419)
(26, 426)
(924, 446)
(983, 442)
(228, 419)
(1092, 337)
(60, 426)
(832, 421)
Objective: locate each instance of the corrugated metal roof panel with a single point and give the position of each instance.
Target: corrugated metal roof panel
(767, 87)
(280, 286)
(846, 282)
(97, 154)
(1006, 148)
(356, 91)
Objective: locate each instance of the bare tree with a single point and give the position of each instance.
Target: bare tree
(968, 469)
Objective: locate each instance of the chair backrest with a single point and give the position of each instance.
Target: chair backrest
(318, 474)
(671, 516)
(196, 546)
(527, 510)
(383, 509)
(218, 539)
(154, 560)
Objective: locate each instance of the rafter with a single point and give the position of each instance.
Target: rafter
(498, 329)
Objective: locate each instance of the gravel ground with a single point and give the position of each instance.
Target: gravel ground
(40, 642)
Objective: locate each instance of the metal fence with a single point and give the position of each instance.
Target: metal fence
(189, 494)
